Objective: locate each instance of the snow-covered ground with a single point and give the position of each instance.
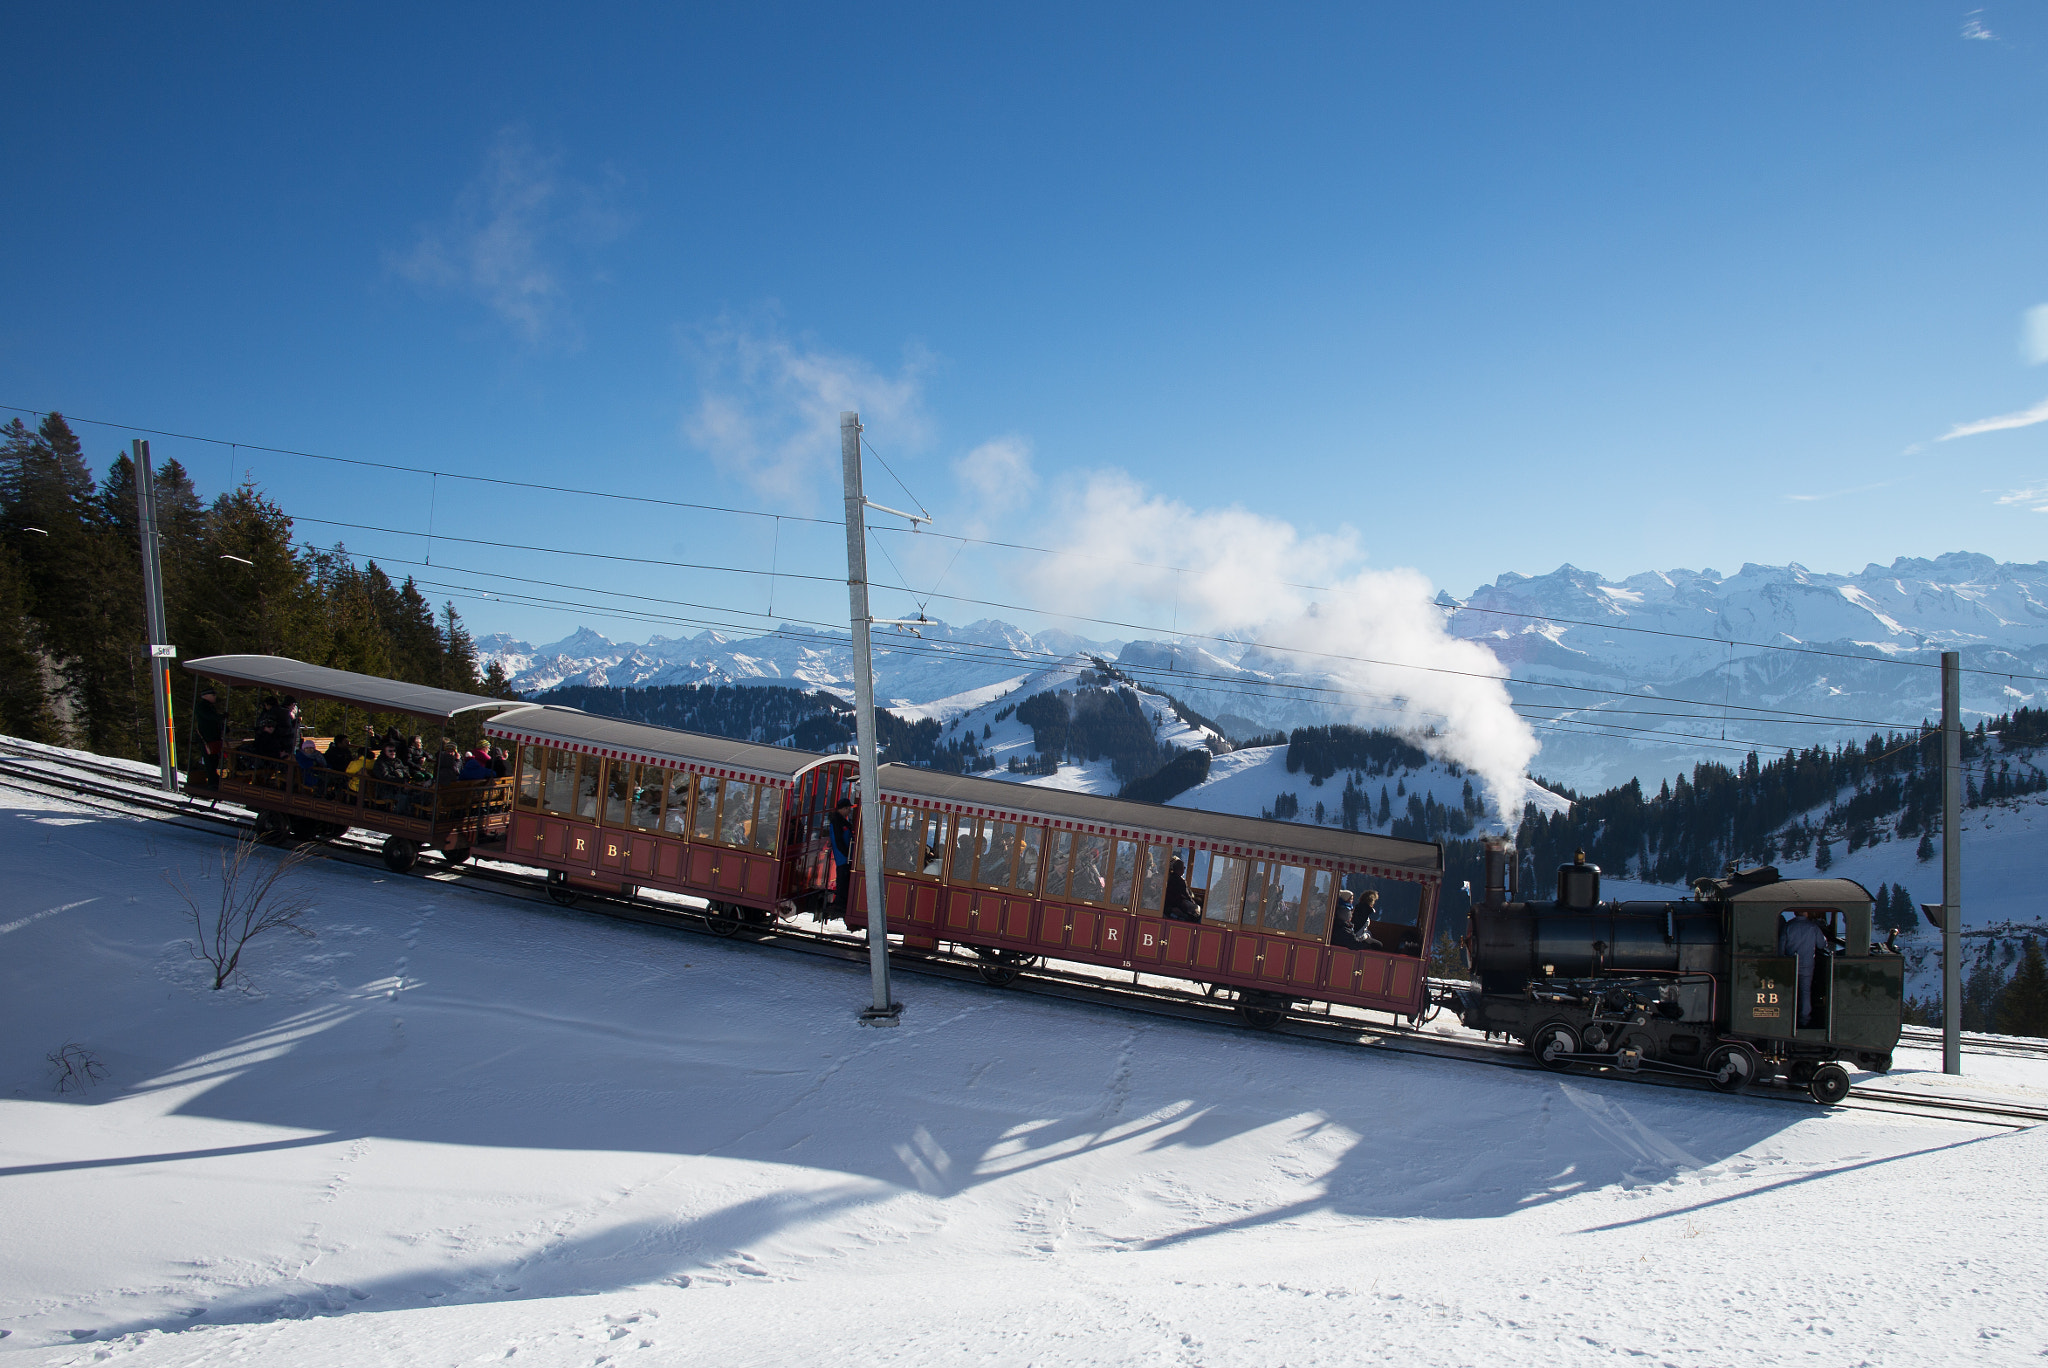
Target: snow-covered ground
(458, 1128)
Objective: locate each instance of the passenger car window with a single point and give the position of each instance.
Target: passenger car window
(1058, 863)
(768, 817)
(998, 847)
(1283, 897)
(960, 867)
(533, 761)
(902, 839)
(618, 792)
(1226, 889)
(677, 816)
(558, 792)
(1152, 888)
(649, 784)
(1254, 890)
(589, 776)
(705, 824)
(736, 814)
(1125, 873)
(1315, 904)
(1090, 881)
(1030, 840)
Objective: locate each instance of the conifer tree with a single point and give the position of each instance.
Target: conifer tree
(24, 699)
(2023, 1006)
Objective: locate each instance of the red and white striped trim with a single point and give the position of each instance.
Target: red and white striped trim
(639, 758)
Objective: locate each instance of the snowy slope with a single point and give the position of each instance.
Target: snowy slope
(1565, 633)
(458, 1129)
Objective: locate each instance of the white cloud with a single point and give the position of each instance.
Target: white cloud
(768, 407)
(1973, 27)
(499, 240)
(998, 474)
(1245, 571)
(2034, 334)
(2033, 496)
(2025, 418)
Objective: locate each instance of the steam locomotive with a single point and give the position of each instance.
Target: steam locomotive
(1695, 989)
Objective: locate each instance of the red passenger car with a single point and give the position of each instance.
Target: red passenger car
(1013, 873)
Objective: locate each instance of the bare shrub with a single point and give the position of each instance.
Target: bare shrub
(255, 897)
(77, 1067)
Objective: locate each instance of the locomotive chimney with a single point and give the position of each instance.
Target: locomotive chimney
(1500, 858)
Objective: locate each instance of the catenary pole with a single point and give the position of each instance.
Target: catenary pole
(884, 1010)
(1951, 863)
(161, 652)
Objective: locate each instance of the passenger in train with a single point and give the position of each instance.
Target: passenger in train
(500, 762)
(340, 755)
(1180, 903)
(392, 775)
(313, 771)
(842, 856)
(290, 724)
(363, 762)
(448, 764)
(477, 765)
(417, 757)
(211, 725)
(1343, 929)
(268, 742)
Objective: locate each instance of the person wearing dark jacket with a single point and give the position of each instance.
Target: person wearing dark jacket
(842, 856)
(501, 763)
(211, 725)
(269, 742)
(448, 764)
(392, 776)
(1180, 903)
(477, 765)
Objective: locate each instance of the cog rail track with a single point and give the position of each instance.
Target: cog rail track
(110, 788)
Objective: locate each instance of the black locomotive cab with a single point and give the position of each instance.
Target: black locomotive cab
(1716, 987)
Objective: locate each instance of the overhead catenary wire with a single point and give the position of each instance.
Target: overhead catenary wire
(987, 541)
(983, 541)
(1764, 716)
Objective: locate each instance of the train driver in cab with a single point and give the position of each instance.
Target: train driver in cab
(1802, 938)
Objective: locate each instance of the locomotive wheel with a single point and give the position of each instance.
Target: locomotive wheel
(719, 918)
(456, 856)
(999, 968)
(1830, 1084)
(400, 854)
(1551, 1042)
(1259, 1018)
(559, 890)
(273, 828)
(1733, 1068)
(997, 975)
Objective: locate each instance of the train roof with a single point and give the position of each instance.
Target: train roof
(616, 738)
(302, 680)
(1208, 829)
(1800, 891)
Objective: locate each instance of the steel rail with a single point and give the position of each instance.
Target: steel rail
(1307, 1027)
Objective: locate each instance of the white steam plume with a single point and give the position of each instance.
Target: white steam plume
(1376, 635)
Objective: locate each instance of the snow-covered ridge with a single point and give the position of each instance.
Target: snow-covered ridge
(1651, 653)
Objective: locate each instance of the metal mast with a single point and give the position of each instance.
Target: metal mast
(161, 652)
(884, 1010)
(1951, 863)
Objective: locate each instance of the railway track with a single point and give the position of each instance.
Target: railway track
(112, 788)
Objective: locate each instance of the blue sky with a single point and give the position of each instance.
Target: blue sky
(1467, 289)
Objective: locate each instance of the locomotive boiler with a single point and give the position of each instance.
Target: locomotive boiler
(1705, 988)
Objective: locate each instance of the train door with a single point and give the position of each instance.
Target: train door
(809, 842)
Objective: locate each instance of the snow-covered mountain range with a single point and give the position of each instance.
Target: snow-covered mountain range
(1637, 677)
